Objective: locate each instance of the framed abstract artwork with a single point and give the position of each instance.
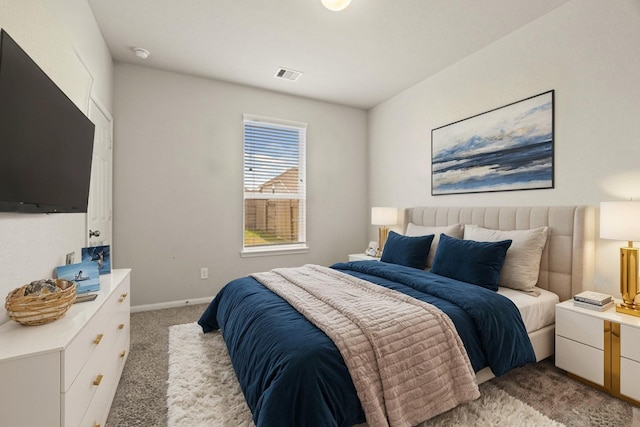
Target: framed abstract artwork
(505, 149)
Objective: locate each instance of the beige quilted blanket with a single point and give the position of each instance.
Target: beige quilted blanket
(405, 357)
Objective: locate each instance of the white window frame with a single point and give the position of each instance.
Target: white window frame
(280, 249)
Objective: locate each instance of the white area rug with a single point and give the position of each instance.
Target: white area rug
(203, 390)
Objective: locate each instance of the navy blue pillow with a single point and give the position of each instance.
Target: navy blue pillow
(469, 261)
(406, 250)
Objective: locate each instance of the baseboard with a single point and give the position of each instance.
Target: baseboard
(170, 304)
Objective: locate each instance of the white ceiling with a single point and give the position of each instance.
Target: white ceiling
(359, 57)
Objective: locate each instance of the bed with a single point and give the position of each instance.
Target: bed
(292, 373)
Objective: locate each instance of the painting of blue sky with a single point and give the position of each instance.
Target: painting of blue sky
(509, 148)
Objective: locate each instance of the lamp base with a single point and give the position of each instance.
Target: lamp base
(383, 232)
(632, 309)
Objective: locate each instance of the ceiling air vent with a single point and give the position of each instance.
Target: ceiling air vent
(285, 73)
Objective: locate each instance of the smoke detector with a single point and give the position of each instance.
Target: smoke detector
(141, 53)
(287, 74)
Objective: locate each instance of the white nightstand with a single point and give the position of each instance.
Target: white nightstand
(600, 348)
(362, 257)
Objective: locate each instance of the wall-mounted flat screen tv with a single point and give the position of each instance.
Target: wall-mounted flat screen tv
(46, 141)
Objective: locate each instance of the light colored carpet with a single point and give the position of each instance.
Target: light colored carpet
(203, 390)
(141, 398)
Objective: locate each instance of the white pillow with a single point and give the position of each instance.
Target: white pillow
(455, 230)
(522, 264)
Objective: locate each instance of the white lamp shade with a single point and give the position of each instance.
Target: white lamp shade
(384, 216)
(335, 5)
(620, 220)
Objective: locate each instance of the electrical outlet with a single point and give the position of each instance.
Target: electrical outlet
(204, 273)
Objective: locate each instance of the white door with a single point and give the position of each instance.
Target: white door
(99, 212)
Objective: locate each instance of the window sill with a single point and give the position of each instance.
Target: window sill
(269, 251)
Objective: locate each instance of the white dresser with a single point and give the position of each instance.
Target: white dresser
(602, 348)
(65, 373)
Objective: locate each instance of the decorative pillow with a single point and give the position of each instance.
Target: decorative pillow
(522, 265)
(406, 250)
(469, 261)
(455, 230)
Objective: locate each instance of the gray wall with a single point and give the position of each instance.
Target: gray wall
(589, 52)
(178, 181)
(178, 146)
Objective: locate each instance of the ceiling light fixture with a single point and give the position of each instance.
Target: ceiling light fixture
(141, 53)
(335, 5)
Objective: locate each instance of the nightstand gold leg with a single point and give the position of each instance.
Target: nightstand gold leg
(615, 358)
(607, 355)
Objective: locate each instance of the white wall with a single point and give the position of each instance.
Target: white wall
(32, 245)
(178, 185)
(77, 18)
(589, 52)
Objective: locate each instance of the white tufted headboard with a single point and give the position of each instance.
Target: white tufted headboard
(567, 262)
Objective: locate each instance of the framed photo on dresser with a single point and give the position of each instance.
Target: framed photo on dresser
(84, 274)
(101, 255)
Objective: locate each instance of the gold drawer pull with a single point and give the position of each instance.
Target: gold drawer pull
(123, 353)
(121, 326)
(122, 297)
(98, 380)
(98, 339)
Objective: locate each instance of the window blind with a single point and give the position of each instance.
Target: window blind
(274, 183)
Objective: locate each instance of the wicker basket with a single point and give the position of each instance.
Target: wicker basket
(38, 309)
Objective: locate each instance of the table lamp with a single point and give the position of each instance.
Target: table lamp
(383, 217)
(621, 221)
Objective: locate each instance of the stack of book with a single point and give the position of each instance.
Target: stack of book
(593, 301)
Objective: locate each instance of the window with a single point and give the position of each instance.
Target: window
(274, 185)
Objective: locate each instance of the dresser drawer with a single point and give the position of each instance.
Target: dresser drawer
(98, 410)
(81, 348)
(123, 299)
(111, 370)
(95, 415)
(580, 327)
(123, 329)
(629, 376)
(123, 292)
(630, 342)
(579, 359)
(88, 340)
(82, 391)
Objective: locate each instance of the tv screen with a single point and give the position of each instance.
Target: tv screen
(46, 142)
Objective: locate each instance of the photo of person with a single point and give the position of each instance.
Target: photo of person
(79, 276)
(84, 274)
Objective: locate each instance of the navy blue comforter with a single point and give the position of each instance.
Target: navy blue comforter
(292, 374)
